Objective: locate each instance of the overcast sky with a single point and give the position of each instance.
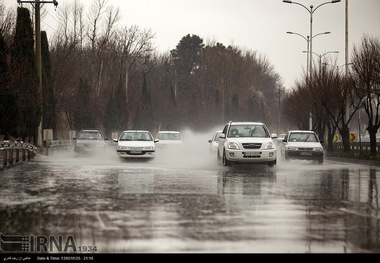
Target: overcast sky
(259, 25)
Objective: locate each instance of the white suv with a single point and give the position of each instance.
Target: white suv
(246, 142)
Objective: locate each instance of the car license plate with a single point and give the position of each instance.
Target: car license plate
(136, 152)
(306, 154)
(251, 154)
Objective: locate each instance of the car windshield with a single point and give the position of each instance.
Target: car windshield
(169, 136)
(136, 136)
(248, 131)
(302, 137)
(90, 136)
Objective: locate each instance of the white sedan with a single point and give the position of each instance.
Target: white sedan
(302, 145)
(136, 144)
(169, 137)
(214, 142)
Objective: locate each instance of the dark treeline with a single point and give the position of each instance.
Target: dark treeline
(97, 73)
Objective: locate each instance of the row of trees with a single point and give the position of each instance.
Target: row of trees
(20, 97)
(333, 96)
(100, 74)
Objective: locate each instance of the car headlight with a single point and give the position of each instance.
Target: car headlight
(149, 148)
(318, 149)
(121, 147)
(269, 146)
(289, 148)
(233, 146)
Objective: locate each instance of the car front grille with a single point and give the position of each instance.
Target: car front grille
(251, 145)
(135, 153)
(305, 149)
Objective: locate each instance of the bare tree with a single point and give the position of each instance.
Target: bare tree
(366, 65)
(296, 105)
(137, 48)
(334, 92)
(94, 17)
(7, 22)
(102, 20)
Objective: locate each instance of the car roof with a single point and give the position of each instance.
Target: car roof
(135, 131)
(245, 123)
(168, 132)
(90, 130)
(301, 131)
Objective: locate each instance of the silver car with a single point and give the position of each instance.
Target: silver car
(90, 141)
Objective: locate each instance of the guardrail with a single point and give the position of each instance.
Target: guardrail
(12, 152)
(364, 146)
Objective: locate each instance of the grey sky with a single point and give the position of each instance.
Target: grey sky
(259, 25)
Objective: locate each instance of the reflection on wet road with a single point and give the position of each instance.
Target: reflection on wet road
(178, 205)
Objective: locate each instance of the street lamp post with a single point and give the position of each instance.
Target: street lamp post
(308, 65)
(320, 56)
(311, 11)
(307, 46)
(308, 40)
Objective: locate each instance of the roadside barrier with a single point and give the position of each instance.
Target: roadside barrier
(363, 146)
(12, 153)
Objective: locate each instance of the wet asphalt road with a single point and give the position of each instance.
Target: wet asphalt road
(183, 201)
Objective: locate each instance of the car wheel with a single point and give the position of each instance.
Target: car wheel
(225, 161)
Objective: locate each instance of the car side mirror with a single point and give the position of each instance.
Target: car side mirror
(209, 141)
(115, 140)
(274, 135)
(222, 136)
(156, 140)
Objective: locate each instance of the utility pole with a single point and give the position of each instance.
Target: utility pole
(37, 28)
(346, 56)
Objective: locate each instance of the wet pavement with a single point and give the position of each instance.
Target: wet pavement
(189, 203)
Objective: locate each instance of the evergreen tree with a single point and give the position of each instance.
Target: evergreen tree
(144, 118)
(121, 106)
(187, 53)
(24, 80)
(49, 113)
(235, 111)
(82, 114)
(112, 122)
